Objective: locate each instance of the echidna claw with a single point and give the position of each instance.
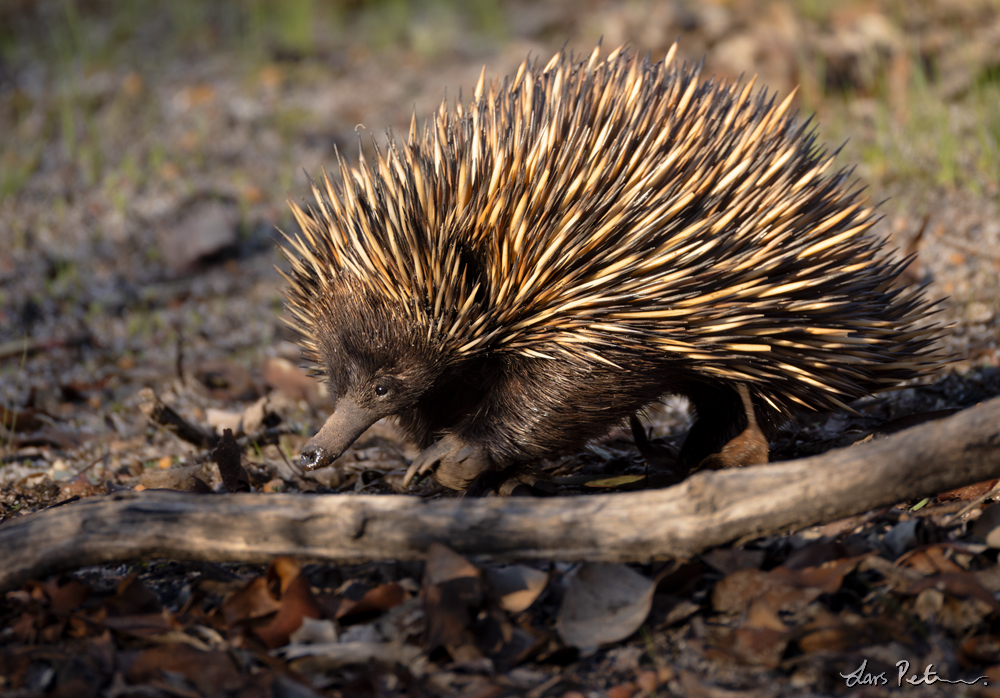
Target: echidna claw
(425, 461)
(458, 463)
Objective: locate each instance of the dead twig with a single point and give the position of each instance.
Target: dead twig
(160, 413)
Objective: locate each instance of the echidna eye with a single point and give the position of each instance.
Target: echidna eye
(381, 390)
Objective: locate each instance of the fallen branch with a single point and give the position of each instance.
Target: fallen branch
(160, 413)
(708, 509)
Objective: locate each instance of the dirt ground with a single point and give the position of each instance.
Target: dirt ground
(146, 155)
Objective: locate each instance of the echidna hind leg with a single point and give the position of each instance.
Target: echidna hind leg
(749, 447)
(722, 436)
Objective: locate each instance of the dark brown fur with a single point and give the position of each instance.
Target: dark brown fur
(509, 410)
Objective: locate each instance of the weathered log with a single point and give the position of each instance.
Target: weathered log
(708, 509)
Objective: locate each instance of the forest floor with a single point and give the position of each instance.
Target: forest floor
(147, 157)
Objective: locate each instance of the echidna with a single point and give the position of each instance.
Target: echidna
(535, 267)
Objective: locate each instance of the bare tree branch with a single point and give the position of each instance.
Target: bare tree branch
(708, 509)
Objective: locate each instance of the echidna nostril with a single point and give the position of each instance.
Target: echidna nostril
(311, 459)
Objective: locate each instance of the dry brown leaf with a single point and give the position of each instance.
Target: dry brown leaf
(336, 655)
(203, 227)
(381, 598)
(284, 376)
(603, 603)
(453, 591)
(759, 646)
(444, 565)
(729, 560)
(963, 585)
(993, 676)
(516, 586)
(212, 673)
(131, 597)
(833, 639)
(80, 486)
(826, 577)
(830, 632)
(252, 602)
(929, 560)
(734, 593)
(220, 420)
(969, 492)
(226, 380)
(647, 681)
(66, 597)
(762, 616)
(816, 554)
(959, 616)
(692, 686)
(181, 478)
(623, 690)
(979, 650)
(145, 625)
(283, 570)
(288, 592)
(352, 603)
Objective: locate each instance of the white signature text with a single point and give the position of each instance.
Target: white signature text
(862, 677)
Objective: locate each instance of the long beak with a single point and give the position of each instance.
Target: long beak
(342, 429)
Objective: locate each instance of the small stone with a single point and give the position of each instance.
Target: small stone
(647, 681)
(625, 690)
(978, 313)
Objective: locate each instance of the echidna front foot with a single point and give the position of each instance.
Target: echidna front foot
(458, 463)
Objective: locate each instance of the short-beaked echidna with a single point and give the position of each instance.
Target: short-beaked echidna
(535, 266)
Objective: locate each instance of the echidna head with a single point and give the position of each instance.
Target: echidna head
(377, 363)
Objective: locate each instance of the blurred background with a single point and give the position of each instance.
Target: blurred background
(147, 150)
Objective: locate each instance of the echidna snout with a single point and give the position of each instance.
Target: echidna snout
(348, 421)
